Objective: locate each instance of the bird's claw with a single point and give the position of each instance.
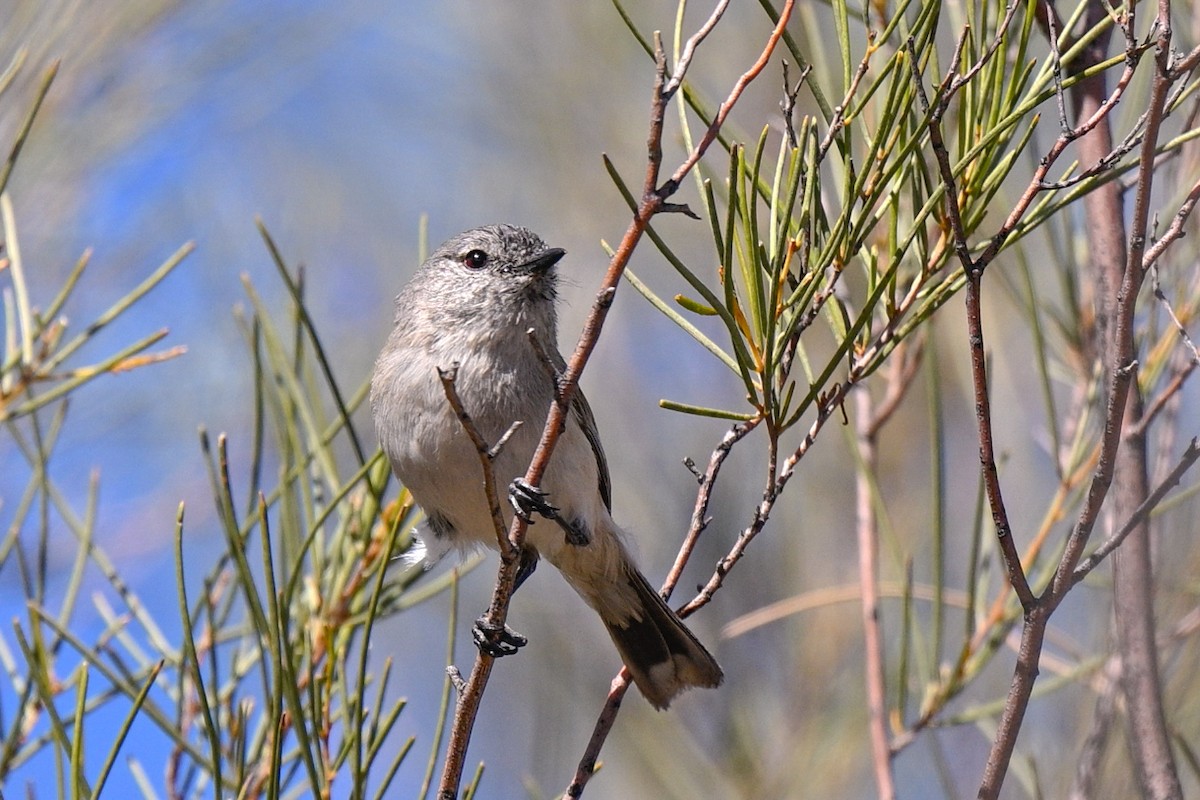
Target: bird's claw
(527, 500)
(496, 641)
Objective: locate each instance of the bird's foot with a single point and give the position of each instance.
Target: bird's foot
(527, 500)
(496, 641)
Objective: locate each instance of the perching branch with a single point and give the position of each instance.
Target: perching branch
(470, 690)
(654, 200)
(1123, 366)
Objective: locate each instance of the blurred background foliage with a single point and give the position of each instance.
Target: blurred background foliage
(341, 126)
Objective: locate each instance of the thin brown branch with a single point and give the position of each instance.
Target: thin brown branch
(486, 451)
(600, 731)
(1037, 610)
(1167, 393)
(1060, 96)
(700, 518)
(503, 440)
(777, 480)
(1176, 229)
(1185, 64)
(826, 409)
(838, 121)
(620, 683)
(1025, 673)
(788, 105)
(973, 271)
(727, 105)
(1190, 455)
(544, 358)
(689, 49)
(993, 47)
(1179, 326)
(1088, 95)
(759, 519)
(1121, 370)
(654, 200)
(1132, 572)
(1123, 366)
(470, 691)
(868, 579)
(1035, 185)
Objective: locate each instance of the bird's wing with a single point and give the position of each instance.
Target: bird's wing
(585, 419)
(582, 413)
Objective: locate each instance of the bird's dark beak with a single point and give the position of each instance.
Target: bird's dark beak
(544, 260)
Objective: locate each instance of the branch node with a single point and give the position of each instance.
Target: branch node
(605, 298)
(456, 679)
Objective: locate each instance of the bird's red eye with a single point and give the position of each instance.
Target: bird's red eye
(475, 259)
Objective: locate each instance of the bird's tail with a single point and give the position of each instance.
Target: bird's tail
(662, 655)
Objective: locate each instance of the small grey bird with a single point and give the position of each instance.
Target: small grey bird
(475, 303)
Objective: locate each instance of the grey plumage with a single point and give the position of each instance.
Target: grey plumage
(473, 303)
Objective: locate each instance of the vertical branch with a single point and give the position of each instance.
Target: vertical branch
(987, 454)
(1025, 673)
(600, 731)
(973, 271)
(1133, 573)
(1122, 365)
(868, 580)
(1121, 369)
(470, 691)
(1104, 220)
(654, 200)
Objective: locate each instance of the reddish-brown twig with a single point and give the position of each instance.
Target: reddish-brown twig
(654, 200)
(868, 579)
